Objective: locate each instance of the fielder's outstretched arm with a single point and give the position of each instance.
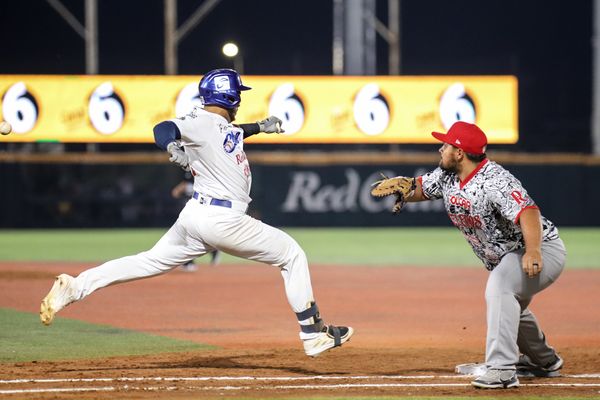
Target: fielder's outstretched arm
(404, 188)
(417, 194)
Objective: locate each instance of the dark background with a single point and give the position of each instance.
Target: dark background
(547, 45)
(138, 195)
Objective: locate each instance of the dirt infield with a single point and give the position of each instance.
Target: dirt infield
(413, 325)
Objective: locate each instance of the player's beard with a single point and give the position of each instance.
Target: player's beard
(232, 113)
(449, 166)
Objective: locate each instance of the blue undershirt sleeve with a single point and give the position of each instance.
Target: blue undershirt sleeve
(250, 129)
(165, 133)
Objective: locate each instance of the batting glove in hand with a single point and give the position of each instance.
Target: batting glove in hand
(178, 156)
(270, 125)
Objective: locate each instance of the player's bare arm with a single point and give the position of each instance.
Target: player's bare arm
(417, 194)
(531, 226)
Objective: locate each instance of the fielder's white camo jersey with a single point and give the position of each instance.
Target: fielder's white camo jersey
(486, 208)
(216, 151)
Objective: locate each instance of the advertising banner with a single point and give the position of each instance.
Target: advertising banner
(119, 195)
(337, 196)
(314, 109)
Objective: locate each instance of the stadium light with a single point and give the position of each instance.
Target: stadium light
(231, 50)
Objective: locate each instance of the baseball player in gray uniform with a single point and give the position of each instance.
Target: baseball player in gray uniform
(520, 248)
(207, 143)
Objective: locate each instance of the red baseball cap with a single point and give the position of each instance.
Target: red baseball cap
(465, 136)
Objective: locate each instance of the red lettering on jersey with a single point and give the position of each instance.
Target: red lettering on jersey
(240, 157)
(466, 221)
(461, 202)
(517, 196)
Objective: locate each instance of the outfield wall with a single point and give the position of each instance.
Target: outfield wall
(319, 189)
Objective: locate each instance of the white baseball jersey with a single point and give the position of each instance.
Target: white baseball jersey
(216, 151)
(485, 208)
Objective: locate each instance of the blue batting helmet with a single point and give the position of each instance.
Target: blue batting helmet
(221, 87)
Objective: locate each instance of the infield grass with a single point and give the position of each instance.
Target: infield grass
(348, 246)
(24, 338)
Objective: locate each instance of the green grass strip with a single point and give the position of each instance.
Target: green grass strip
(348, 246)
(477, 395)
(24, 338)
(449, 398)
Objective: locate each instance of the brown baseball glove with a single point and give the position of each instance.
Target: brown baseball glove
(401, 186)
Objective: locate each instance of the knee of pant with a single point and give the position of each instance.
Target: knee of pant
(498, 288)
(491, 297)
(298, 255)
(498, 285)
(158, 262)
(294, 255)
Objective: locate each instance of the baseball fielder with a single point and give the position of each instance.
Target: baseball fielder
(503, 225)
(206, 143)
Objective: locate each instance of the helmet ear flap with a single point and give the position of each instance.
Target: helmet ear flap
(226, 100)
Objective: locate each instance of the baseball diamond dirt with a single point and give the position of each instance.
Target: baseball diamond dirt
(413, 325)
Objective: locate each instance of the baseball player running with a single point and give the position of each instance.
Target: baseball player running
(503, 225)
(206, 143)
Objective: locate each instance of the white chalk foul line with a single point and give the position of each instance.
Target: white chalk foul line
(231, 378)
(583, 376)
(258, 378)
(416, 385)
(288, 387)
(58, 390)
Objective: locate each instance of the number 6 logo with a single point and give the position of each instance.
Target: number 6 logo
(456, 105)
(371, 110)
(288, 106)
(106, 109)
(19, 108)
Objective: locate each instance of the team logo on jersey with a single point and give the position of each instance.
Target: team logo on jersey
(518, 196)
(231, 141)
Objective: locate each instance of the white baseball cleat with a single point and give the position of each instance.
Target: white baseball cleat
(330, 337)
(497, 379)
(61, 295)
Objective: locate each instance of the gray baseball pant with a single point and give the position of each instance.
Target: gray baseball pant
(511, 327)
